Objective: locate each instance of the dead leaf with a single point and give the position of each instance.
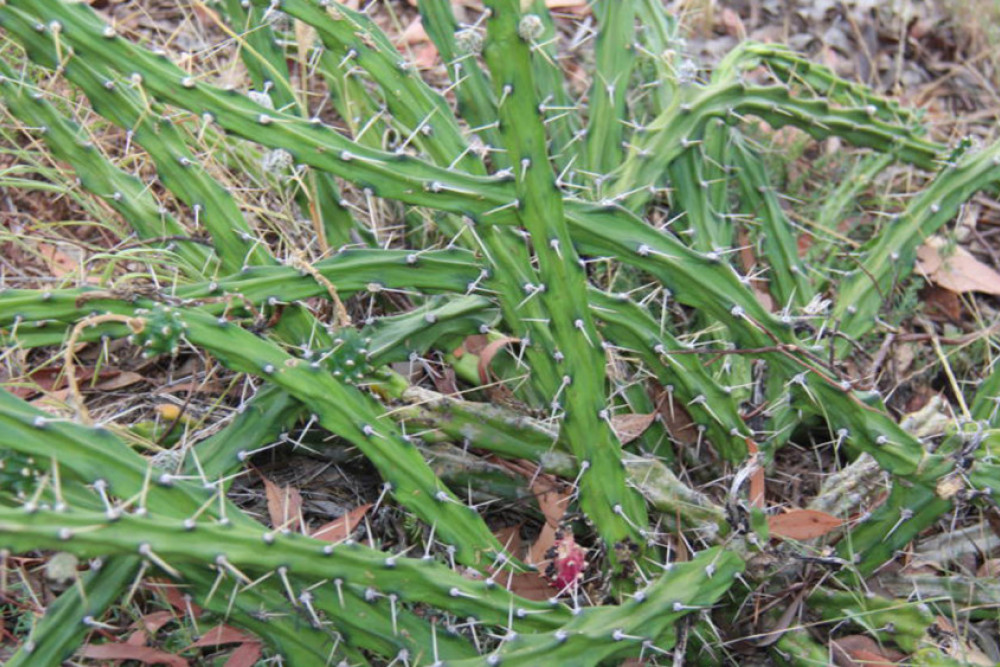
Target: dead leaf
(733, 24)
(472, 345)
(630, 426)
(284, 505)
(414, 33)
(791, 612)
(425, 55)
(578, 7)
(53, 378)
(21, 391)
(148, 626)
(510, 538)
(445, 380)
(424, 52)
(120, 380)
(223, 634)
(861, 651)
(802, 524)
(58, 262)
(990, 568)
(676, 419)
(245, 655)
(147, 655)
(530, 585)
(941, 303)
(758, 483)
(343, 526)
(174, 596)
(552, 502)
(487, 354)
(959, 272)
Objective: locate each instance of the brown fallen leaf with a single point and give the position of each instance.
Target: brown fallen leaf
(120, 380)
(53, 378)
(510, 538)
(733, 24)
(861, 651)
(148, 625)
(792, 610)
(941, 303)
(472, 345)
(147, 655)
(959, 272)
(758, 483)
(284, 506)
(414, 33)
(487, 354)
(578, 7)
(174, 596)
(425, 55)
(59, 262)
(245, 655)
(552, 502)
(24, 392)
(990, 568)
(223, 634)
(531, 585)
(343, 526)
(630, 426)
(675, 418)
(802, 524)
(445, 380)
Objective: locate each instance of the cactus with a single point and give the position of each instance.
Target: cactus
(572, 354)
(529, 214)
(891, 258)
(615, 57)
(318, 198)
(62, 629)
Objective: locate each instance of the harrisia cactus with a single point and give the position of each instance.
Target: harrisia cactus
(598, 237)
